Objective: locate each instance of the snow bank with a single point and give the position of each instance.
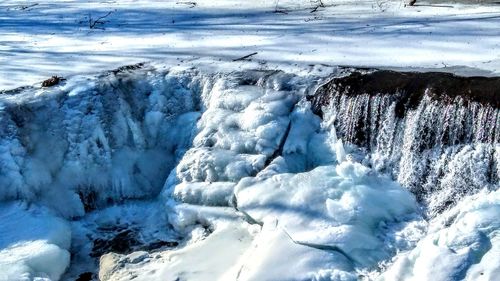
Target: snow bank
(34, 244)
(462, 244)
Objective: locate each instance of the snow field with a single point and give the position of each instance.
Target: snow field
(55, 38)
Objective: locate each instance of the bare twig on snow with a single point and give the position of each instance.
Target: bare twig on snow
(189, 3)
(246, 57)
(97, 24)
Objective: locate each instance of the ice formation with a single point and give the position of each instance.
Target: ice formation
(436, 134)
(189, 174)
(95, 140)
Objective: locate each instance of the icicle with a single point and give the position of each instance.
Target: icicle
(339, 151)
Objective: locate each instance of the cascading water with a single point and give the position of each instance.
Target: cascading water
(437, 134)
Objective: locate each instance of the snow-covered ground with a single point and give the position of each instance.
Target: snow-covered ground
(42, 38)
(34, 243)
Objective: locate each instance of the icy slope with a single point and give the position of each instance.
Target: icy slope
(95, 140)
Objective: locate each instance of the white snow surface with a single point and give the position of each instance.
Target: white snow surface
(42, 38)
(34, 244)
(462, 244)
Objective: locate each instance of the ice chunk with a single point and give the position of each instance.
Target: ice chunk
(205, 193)
(273, 255)
(242, 127)
(339, 207)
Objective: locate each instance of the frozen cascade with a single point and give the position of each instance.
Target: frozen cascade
(84, 146)
(238, 179)
(96, 140)
(436, 134)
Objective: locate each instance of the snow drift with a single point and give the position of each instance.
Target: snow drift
(34, 243)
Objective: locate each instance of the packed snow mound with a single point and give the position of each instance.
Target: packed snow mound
(34, 243)
(339, 208)
(462, 244)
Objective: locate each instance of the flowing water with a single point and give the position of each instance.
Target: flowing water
(436, 134)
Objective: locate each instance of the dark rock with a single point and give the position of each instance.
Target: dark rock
(125, 241)
(89, 200)
(409, 88)
(128, 68)
(86, 276)
(122, 243)
(52, 81)
(160, 244)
